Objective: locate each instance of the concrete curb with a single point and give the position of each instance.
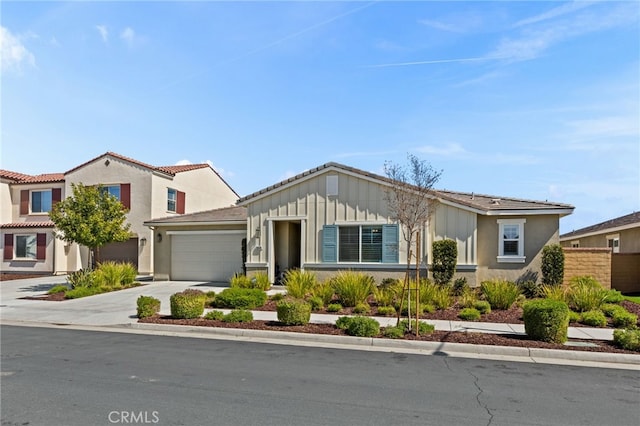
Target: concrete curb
(454, 350)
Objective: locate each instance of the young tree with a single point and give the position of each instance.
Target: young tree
(90, 217)
(411, 202)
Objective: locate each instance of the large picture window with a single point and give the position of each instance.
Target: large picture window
(41, 201)
(360, 243)
(511, 240)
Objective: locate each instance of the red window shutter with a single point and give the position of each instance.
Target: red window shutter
(125, 195)
(56, 195)
(24, 201)
(41, 253)
(181, 202)
(8, 246)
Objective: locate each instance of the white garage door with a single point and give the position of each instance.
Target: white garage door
(206, 257)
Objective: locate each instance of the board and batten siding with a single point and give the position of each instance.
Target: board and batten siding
(358, 201)
(449, 222)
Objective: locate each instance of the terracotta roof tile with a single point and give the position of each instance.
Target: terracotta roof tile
(44, 224)
(45, 178)
(15, 176)
(181, 168)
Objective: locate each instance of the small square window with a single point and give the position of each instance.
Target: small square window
(511, 240)
(41, 201)
(113, 190)
(26, 247)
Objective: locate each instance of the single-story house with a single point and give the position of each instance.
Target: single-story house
(335, 217)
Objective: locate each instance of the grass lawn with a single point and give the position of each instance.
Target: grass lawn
(635, 297)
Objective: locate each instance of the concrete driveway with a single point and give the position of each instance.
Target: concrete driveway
(115, 308)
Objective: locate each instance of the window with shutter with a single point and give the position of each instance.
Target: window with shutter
(8, 246)
(330, 243)
(360, 244)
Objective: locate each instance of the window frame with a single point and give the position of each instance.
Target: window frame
(387, 246)
(107, 189)
(613, 242)
(31, 201)
(16, 247)
(511, 258)
(175, 200)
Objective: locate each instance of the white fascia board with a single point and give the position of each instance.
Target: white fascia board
(529, 212)
(208, 232)
(180, 224)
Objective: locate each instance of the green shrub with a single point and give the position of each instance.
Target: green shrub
(294, 312)
(316, 303)
(405, 311)
(460, 286)
(555, 292)
(530, 289)
(445, 257)
(363, 327)
(60, 288)
(585, 294)
(299, 283)
(352, 287)
(500, 294)
(388, 292)
(594, 318)
(393, 332)
(81, 278)
(240, 298)
(610, 309)
(546, 320)
(260, 280)
(520, 300)
(214, 315)
(469, 314)
(467, 299)
(114, 275)
(210, 297)
(276, 297)
(334, 307)
(187, 304)
(147, 306)
(613, 296)
(78, 292)
(442, 298)
(361, 308)
(238, 315)
(574, 316)
(387, 311)
(240, 281)
(324, 291)
(627, 339)
(482, 306)
(624, 319)
(343, 322)
(425, 328)
(552, 266)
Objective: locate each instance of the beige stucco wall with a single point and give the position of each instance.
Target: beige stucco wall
(629, 240)
(6, 204)
(595, 262)
(539, 230)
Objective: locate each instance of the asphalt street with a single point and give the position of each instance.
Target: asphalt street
(67, 377)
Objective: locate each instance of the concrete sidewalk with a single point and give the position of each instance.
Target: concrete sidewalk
(116, 311)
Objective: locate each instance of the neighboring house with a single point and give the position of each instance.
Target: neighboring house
(584, 249)
(146, 191)
(335, 217)
(621, 235)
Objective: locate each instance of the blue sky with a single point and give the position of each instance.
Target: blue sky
(537, 100)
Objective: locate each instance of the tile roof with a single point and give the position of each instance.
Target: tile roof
(225, 214)
(626, 221)
(482, 202)
(44, 224)
(23, 178)
(15, 176)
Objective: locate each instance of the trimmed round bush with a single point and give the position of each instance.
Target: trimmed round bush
(425, 328)
(238, 315)
(187, 305)
(214, 315)
(482, 306)
(334, 307)
(147, 306)
(627, 339)
(361, 308)
(363, 327)
(469, 314)
(343, 322)
(624, 319)
(594, 318)
(316, 303)
(240, 298)
(387, 311)
(393, 332)
(293, 312)
(610, 309)
(546, 320)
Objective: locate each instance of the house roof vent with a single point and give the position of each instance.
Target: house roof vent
(495, 201)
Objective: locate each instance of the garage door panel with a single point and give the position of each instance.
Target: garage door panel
(209, 257)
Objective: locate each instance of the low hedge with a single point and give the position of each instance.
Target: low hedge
(359, 326)
(188, 304)
(594, 318)
(546, 320)
(627, 339)
(293, 312)
(147, 306)
(624, 319)
(240, 298)
(238, 315)
(469, 314)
